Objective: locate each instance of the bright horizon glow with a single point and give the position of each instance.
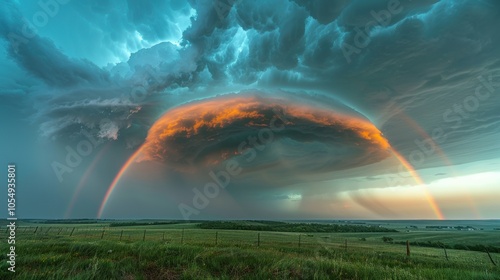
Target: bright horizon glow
(450, 190)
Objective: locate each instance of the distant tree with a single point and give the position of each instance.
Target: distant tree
(387, 239)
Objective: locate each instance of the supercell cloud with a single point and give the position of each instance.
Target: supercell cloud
(290, 134)
(187, 82)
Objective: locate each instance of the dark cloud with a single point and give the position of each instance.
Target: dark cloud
(428, 50)
(77, 95)
(360, 13)
(41, 58)
(260, 133)
(155, 20)
(324, 11)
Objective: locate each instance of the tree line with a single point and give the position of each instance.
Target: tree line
(291, 227)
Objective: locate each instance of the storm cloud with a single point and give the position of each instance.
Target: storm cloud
(128, 72)
(289, 135)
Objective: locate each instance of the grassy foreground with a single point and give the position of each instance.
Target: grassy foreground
(63, 259)
(88, 254)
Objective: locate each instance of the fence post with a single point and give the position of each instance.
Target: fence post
(121, 234)
(258, 239)
(299, 240)
(144, 236)
(72, 232)
(102, 234)
(407, 248)
(216, 233)
(35, 230)
(491, 259)
(182, 237)
(163, 238)
(445, 253)
(59, 231)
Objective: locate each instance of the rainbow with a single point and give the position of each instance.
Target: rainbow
(432, 202)
(172, 127)
(84, 179)
(439, 152)
(116, 180)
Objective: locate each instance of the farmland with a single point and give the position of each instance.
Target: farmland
(178, 250)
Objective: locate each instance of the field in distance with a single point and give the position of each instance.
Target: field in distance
(157, 249)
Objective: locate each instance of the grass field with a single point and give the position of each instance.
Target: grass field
(184, 251)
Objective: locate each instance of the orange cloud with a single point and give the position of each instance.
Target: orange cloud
(209, 131)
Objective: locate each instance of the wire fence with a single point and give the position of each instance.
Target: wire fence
(214, 237)
(182, 236)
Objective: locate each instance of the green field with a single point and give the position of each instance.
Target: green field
(184, 251)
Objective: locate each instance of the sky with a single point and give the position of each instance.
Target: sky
(239, 109)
